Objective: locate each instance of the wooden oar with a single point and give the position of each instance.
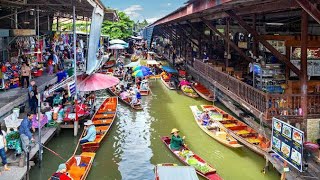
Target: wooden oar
(84, 130)
(50, 150)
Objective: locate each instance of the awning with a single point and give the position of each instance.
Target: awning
(133, 64)
(177, 173)
(169, 69)
(152, 62)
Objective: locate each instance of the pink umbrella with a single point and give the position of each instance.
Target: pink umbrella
(96, 82)
(311, 146)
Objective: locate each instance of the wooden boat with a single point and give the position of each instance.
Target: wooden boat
(239, 130)
(192, 94)
(144, 92)
(169, 171)
(81, 171)
(210, 173)
(219, 135)
(167, 83)
(125, 101)
(109, 64)
(203, 91)
(103, 120)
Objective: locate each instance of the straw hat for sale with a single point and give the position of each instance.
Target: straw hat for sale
(174, 130)
(88, 123)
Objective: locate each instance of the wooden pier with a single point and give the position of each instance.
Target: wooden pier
(19, 173)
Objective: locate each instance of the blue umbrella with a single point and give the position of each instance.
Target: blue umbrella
(169, 69)
(141, 68)
(141, 73)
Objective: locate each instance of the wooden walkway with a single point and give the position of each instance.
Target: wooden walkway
(19, 173)
(14, 97)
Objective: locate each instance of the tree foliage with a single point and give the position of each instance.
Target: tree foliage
(140, 25)
(121, 29)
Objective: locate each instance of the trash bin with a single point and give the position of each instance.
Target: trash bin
(16, 112)
(22, 107)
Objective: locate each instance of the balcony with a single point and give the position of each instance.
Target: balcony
(256, 101)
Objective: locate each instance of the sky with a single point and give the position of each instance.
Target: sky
(151, 10)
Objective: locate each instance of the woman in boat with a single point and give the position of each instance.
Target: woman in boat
(61, 173)
(205, 118)
(91, 133)
(184, 82)
(144, 85)
(176, 142)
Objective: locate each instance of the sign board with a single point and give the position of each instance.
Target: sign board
(287, 142)
(22, 32)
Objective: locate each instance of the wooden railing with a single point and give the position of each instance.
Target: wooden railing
(271, 105)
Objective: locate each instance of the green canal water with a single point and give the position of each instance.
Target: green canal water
(133, 146)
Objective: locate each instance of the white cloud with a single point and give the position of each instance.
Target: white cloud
(169, 4)
(152, 20)
(133, 11)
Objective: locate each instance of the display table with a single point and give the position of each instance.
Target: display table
(44, 120)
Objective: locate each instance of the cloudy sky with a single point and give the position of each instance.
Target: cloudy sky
(150, 10)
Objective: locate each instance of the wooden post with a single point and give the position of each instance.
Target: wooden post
(58, 24)
(228, 42)
(255, 44)
(304, 69)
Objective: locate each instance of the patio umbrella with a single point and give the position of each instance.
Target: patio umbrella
(311, 146)
(144, 68)
(169, 69)
(96, 82)
(116, 46)
(117, 41)
(141, 73)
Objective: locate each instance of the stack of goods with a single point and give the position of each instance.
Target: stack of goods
(188, 89)
(192, 161)
(10, 76)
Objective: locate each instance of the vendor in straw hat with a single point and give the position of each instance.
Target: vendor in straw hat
(91, 133)
(176, 142)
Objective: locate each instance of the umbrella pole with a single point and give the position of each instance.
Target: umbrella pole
(75, 127)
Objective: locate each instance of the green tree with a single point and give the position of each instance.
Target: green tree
(121, 29)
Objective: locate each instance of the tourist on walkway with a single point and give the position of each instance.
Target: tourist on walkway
(25, 132)
(30, 88)
(34, 99)
(176, 143)
(91, 133)
(25, 74)
(3, 149)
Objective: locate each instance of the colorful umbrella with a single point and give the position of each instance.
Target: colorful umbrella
(141, 73)
(169, 69)
(96, 82)
(117, 41)
(116, 46)
(143, 68)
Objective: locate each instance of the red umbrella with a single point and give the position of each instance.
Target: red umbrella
(96, 82)
(311, 146)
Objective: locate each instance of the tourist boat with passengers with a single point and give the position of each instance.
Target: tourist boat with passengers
(189, 158)
(78, 166)
(126, 101)
(103, 120)
(167, 83)
(213, 130)
(169, 171)
(239, 130)
(203, 91)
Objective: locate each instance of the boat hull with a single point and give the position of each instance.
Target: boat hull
(103, 120)
(203, 92)
(192, 95)
(126, 102)
(221, 136)
(210, 175)
(253, 140)
(167, 84)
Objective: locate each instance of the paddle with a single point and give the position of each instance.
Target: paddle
(84, 130)
(50, 150)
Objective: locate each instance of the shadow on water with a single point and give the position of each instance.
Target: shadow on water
(133, 145)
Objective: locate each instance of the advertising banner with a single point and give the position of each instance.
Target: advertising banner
(287, 142)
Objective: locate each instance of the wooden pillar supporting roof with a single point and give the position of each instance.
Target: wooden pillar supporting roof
(304, 69)
(226, 38)
(255, 34)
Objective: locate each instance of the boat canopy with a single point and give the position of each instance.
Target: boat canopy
(133, 64)
(169, 69)
(177, 173)
(152, 62)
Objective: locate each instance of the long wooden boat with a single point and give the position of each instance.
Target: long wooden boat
(239, 130)
(167, 83)
(144, 92)
(219, 135)
(193, 160)
(103, 120)
(125, 101)
(80, 171)
(170, 171)
(192, 94)
(109, 64)
(203, 91)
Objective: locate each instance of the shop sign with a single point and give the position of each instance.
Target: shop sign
(22, 32)
(287, 142)
(243, 45)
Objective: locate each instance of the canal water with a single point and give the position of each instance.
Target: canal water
(133, 146)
